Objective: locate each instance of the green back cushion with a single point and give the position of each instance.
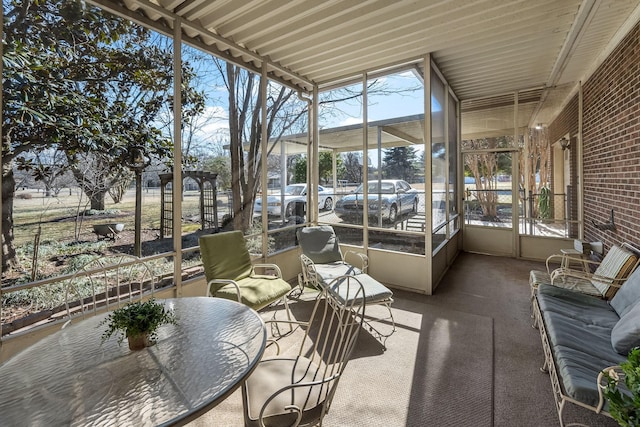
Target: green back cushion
(225, 256)
(320, 244)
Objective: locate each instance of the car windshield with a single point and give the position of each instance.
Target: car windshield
(385, 188)
(293, 190)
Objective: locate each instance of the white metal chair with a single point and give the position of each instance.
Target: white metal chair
(298, 390)
(609, 275)
(320, 245)
(322, 261)
(107, 283)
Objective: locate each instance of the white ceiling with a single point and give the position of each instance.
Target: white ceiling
(483, 47)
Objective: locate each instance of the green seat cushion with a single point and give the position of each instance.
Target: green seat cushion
(320, 244)
(256, 292)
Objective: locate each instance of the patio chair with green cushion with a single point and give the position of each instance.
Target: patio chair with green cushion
(230, 273)
(609, 275)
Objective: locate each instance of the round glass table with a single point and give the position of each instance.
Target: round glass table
(70, 378)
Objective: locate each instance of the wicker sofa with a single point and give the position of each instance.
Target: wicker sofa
(583, 335)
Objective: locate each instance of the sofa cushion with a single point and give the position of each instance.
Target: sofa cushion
(626, 333)
(579, 370)
(628, 294)
(584, 308)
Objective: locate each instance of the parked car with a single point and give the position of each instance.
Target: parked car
(293, 194)
(387, 198)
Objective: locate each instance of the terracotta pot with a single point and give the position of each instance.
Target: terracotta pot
(139, 342)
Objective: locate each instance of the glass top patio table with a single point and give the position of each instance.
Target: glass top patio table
(69, 378)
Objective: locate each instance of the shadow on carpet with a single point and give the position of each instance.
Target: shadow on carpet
(437, 371)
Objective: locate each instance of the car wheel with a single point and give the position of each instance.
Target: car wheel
(393, 213)
(415, 206)
(328, 204)
(288, 210)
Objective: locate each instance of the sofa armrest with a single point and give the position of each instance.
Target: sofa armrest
(614, 373)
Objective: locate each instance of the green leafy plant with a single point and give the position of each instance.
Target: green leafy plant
(137, 318)
(544, 203)
(624, 405)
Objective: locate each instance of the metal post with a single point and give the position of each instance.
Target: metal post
(137, 247)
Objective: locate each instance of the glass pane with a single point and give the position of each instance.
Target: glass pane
(411, 243)
(396, 143)
(340, 117)
(453, 155)
(439, 169)
(488, 188)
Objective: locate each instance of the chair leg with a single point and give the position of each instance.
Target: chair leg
(381, 336)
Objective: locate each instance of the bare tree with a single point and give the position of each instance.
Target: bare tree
(96, 175)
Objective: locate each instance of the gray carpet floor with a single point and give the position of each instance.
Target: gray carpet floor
(465, 356)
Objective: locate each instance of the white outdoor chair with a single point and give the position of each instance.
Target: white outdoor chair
(322, 261)
(298, 390)
(106, 283)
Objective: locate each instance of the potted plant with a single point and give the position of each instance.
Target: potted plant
(139, 322)
(624, 399)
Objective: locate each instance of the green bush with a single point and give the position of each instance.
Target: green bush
(624, 405)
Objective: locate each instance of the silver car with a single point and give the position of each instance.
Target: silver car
(293, 195)
(387, 198)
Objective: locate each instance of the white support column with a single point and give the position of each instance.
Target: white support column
(365, 163)
(428, 184)
(263, 161)
(315, 178)
(177, 156)
(515, 178)
(446, 160)
(334, 176)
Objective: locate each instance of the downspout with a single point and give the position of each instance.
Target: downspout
(177, 156)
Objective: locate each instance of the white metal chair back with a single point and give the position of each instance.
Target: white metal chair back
(107, 283)
(298, 390)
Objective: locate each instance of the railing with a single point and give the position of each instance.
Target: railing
(539, 214)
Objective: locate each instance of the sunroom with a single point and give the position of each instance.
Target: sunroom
(514, 123)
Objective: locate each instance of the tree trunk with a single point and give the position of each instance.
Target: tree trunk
(9, 258)
(97, 199)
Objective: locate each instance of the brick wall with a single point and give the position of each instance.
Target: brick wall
(611, 137)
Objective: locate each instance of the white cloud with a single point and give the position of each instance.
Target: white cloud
(351, 121)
